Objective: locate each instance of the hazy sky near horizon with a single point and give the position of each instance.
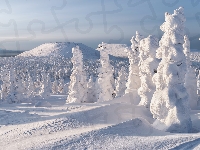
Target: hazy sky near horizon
(25, 24)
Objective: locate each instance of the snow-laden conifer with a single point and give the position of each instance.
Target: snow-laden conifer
(78, 83)
(121, 82)
(147, 68)
(170, 105)
(91, 91)
(12, 94)
(190, 77)
(105, 81)
(133, 83)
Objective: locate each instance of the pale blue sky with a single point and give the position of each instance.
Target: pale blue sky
(25, 24)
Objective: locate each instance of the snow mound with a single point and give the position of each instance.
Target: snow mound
(104, 138)
(134, 127)
(42, 104)
(61, 48)
(114, 49)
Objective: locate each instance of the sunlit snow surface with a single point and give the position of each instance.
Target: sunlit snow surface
(116, 124)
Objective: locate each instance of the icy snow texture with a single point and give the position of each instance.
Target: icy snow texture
(78, 83)
(169, 104)
(114, 49)
(105, 81)
(147, 68)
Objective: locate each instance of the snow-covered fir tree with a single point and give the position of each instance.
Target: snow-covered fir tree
(12, 94)
(170, 105)
(37, 85)
(5, 87)
(78, 83)
(198, 83)
(190, 77)
(105, 81)
(147, 68)
(121, 82)
(46, 85)
(61, 86)
(91, 92)
(30, 89)
(198, 90)
(133, 82)
(54, 87)
(19, 87)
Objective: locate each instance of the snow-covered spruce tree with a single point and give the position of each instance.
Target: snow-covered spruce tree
(78, 83)
(61, 86)
(198, 90)
(190, 77)
(121, 82)
(105, 80)
(55, 86)
(46, 85)
(138, 38)
(91, 93)
(147, 68)
(28, 88)
(5, 87)
(12, 94)
(134, 82)
(19, 87)
(169, 104)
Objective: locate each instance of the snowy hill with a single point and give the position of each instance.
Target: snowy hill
(61, 48)
(114, 49)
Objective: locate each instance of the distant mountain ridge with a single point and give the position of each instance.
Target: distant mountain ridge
(61, 48)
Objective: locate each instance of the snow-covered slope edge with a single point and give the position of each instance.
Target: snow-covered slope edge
(61, 48)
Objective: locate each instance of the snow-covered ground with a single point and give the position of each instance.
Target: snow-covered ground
(117, 124)
(70, 96)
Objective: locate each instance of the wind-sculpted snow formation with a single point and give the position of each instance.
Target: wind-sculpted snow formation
(170, 104)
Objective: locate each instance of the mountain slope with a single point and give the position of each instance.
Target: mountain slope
(61, 48)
